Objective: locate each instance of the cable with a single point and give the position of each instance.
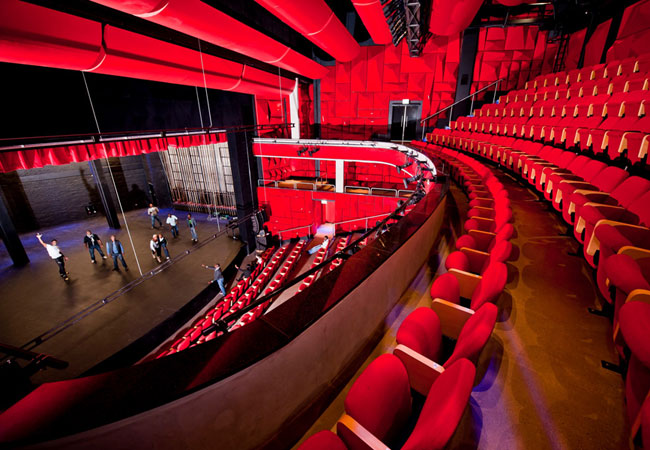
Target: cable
(110, 171)
(205, 84)
(199, 103)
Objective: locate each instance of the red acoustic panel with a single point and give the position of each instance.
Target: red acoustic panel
(515, 38)
(359, 72)
(575, 48)
(375, 66)
(343, 73)
(633, 33)
(596, 44)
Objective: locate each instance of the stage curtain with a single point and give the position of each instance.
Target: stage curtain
(33, 158)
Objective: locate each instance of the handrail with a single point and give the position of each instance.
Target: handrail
(295, 228)
(222, 323)
(463, 99)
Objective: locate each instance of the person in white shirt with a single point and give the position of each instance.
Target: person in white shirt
(154, 245)
(172, 221)
(324, 244)
(153, 213)
(55, 253)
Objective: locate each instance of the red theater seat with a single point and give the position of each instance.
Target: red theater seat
(323, 440)
(475, 261)
(484, 241)
(487, 288)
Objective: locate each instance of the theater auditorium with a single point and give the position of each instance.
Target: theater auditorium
(325, 224)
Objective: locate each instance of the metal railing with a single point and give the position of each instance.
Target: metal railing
(301, 227)
(471, 108)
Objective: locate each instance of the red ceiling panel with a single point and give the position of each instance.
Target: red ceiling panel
(449, 17)
(30, 34)
(196, 18)
(372, 15)
(343, 73)
(318, 23)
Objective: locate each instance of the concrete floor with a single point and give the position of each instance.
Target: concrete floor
(540, 384)
(34, 297)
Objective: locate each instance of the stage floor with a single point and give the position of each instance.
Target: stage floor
(35, 298)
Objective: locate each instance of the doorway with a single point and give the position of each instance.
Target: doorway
(404, 120)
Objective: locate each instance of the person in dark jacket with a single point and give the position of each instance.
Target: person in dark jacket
(92, 243)
(218, 277)
(115, 249)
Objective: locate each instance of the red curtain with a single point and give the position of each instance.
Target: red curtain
(29, 159)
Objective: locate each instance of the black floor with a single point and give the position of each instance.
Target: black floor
(34, 298)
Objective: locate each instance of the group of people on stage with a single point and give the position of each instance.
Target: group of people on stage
(115, 249)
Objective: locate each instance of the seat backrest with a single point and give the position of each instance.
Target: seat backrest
(500, 252)
(475, 334)
(577, 163)
(421, 331)
(590, 170)
(446, 287)
(490, 286)
(565, 159)
(639, 208)
(609, 178)
(380, 399)
(443, 407)
(630, 189)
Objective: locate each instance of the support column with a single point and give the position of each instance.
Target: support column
(10, 236)
(466, 71)
(317, 125)
(340, 176)
(244, 176)
(104, 193)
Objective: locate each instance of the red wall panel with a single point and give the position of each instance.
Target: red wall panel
(596, 44)
(633, 34)
(360, 92)
(575, 48)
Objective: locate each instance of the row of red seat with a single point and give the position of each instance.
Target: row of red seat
(194, 334)
(288, 265)
(608, 210)
(379, 403)
(616, 127)
(321, 255)
(341, 245)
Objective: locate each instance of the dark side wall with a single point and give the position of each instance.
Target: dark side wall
(55, 195)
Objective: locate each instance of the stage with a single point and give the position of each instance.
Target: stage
(35, 298)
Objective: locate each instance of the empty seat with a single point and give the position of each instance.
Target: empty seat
(378, 405)
(478, 289)
(475, 261)
(484, 241)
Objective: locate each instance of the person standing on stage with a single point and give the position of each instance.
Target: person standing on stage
(153, 213)
(55, 253)
(154, 245)
(162, 242)
(192, 224)
(116, 250)
(92, 243)
(218, 277)
(172, 221)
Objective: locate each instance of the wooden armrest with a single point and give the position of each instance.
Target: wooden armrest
(485, 220)
(605, 207)
(355, 436)
(421, 370)
(577, 183)
(485, 202)
(476, 258)
(589, 191)
(634, 252)
(452, 316)
(467, 282)
(482, 238)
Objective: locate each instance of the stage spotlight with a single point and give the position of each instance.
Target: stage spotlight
(410, 180)
(403, 166)
(313, 150)
(302, 150)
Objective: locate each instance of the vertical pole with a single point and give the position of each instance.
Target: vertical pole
(496, 88)
(471, 106)
(104, 193)
(451, 111)
(403, 123)
(10, 236)
(424, 128)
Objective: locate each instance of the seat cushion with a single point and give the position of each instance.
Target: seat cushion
(625, 273)
(446, 287)
(475, 334)
(634, 319)
(443, 407)
(380, 399)
(421, 332)
(323, 440)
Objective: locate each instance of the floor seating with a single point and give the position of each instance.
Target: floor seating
(576, 138)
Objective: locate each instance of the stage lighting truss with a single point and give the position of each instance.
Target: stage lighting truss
(408, 19)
